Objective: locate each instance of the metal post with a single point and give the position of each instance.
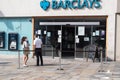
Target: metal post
(60, 53)
(18, 59)
(91, 35)
(52, 52)
(101, 67)
(101, 60)
(75, 42)
(61, 41)
(60, 60)
(46, 36)
(60, 68)
(105, 56)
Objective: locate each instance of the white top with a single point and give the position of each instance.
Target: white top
(25, 44)
(37, 43)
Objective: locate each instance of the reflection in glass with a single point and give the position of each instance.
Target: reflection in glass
(1, 41)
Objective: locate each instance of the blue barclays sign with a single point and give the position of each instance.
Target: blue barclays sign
(70, 4)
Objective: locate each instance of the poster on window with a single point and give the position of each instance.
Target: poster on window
(36, 32)
(93, 33)
(59, 40)
(86, 38)
(39, 32)
(102, 32)
(59, 36)
(76, 36)
(77, 40)
(81, 30)
(45, 32)
(97, 32)
(59, 32)
(48, 34)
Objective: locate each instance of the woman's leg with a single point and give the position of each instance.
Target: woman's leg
(26, 59)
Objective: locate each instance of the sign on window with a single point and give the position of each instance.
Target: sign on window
(81, 30)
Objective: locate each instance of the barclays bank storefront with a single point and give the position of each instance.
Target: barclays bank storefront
(71, 26)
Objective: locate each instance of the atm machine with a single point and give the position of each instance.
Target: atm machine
(13, 41)
(2, 39)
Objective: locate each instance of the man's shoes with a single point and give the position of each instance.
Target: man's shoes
(41, 65)
(37, 65)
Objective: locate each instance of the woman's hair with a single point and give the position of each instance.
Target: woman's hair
(23, 39)
(36, 35)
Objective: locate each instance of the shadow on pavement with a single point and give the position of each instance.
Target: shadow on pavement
(5, 62)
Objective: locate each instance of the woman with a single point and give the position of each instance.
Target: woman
(25, 45)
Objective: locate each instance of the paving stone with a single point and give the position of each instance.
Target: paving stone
(73, 70)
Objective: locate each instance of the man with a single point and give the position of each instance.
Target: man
(37, 47)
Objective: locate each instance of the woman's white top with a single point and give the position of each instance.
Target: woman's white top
(25, 44)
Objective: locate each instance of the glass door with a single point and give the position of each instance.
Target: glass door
(87, 37)
(49, 36)
(68, 40)
(82, 39)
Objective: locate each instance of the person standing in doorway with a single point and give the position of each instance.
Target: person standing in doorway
(38, 47)
(25, 44)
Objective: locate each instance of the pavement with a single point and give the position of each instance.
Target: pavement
(73, 69)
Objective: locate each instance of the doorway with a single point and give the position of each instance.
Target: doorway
(75, 35)
(68, 41)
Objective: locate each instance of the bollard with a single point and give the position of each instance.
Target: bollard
(52, 53)
(60, 68)
(101, 67)
(18, 59)
(101, 60)
(105, 59)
